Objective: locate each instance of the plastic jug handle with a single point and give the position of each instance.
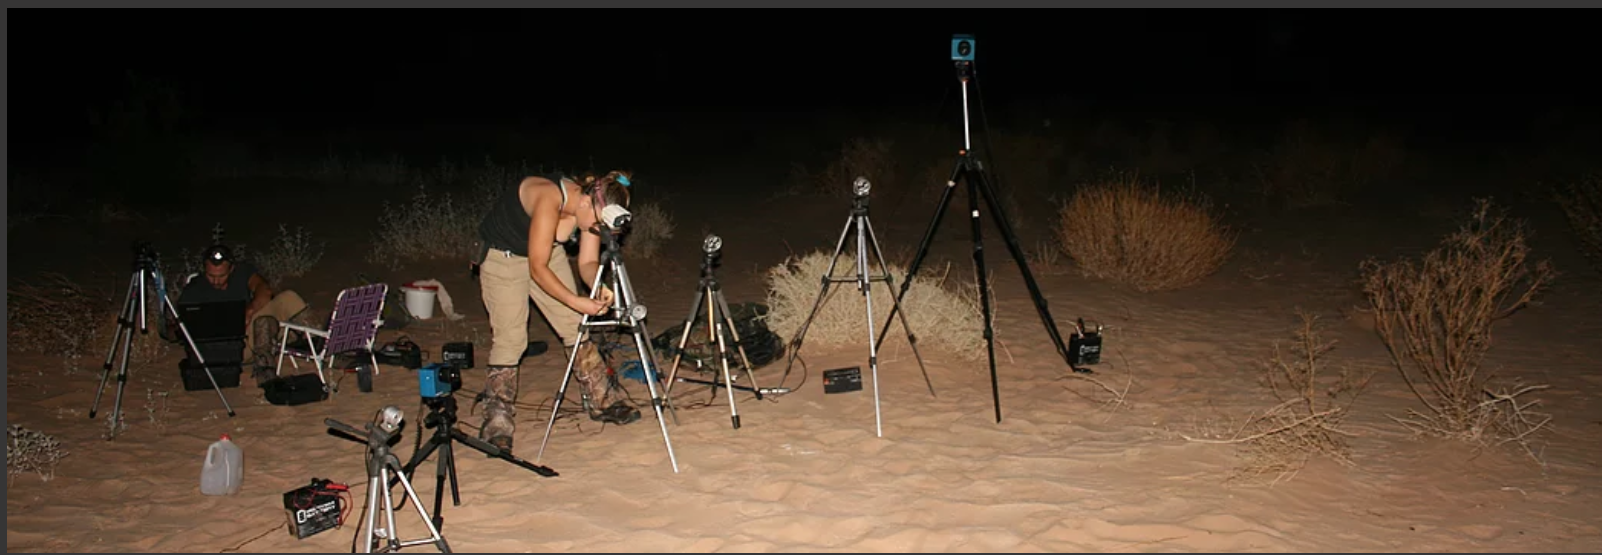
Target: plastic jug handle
(210, 452)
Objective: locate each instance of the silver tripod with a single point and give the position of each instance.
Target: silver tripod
(625, 313)
(864, 281)
(717, 316)
(382, 465)
(146, 267)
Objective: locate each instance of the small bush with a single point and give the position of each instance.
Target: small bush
(1436, 316)
(652, 226)
(1305, 424)
(31, 451)
(430, 227)
(441, 221)
(944, 317)
(290, 255)
(1582, 203)
(1123, 231)
(58, 316)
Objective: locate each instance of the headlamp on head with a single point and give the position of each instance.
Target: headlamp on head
(218, 254)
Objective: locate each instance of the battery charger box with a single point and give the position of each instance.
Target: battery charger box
(314, 508)
(458, 354)
(842, 380)
(1085, 348)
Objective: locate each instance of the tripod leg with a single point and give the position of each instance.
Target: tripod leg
(443, 470)
(896, 307)
(184, 330)
(124, 325)
(368, 535)
(723, 307)
(984, 291)
(723, 358)
(572, 358)
(928, 239)
(684, 339)
(625, 289)
(393, 534)
(712, 333)
(450, 470)
(127, 350)
(567, 378)
(828, 275)
(867, 295)
(411, 495)
(1011, 239)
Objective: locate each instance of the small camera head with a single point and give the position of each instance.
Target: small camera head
(712, 245)
(615, 217)
(861, 186)
(390, 418)
(962, 47)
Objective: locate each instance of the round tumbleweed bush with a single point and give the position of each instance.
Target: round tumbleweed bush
(1125, 231)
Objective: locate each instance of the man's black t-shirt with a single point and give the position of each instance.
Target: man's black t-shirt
(200, 290)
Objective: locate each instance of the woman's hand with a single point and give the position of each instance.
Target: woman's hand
(586, 305)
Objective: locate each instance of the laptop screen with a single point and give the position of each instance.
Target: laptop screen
(214, 321)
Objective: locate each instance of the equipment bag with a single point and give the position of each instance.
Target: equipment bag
(762, 346)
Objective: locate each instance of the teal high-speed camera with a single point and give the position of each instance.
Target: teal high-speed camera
(962, 48)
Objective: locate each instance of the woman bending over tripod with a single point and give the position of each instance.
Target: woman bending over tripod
(522, 258)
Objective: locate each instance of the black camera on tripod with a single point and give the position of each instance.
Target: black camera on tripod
(145, 256)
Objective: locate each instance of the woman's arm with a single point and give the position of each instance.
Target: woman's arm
(589, 256)
(541, 235)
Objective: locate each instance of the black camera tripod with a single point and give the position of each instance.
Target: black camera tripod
(146, 268)
(442, 418)
(969, 169)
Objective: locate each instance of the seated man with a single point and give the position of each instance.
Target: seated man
(226, 279)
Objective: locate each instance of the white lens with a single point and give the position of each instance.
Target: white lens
(615, 216)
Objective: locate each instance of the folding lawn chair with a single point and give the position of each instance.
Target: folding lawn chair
(352, 328)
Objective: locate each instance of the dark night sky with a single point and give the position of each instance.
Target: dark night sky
(347, 68)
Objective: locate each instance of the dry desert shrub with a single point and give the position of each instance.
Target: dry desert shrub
(943, 316)
(651, 227)
(441, 220)
(31, 451)
(430, 227)
(290, 255)
(62, 317)
(1435, 316)
(1305, 424)
(1124, 231)
(1582, 203)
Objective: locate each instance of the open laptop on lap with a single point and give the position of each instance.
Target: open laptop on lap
(218, 328)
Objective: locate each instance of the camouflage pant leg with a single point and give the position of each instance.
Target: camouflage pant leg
(500, 392)
(592, 377)
(264, 336)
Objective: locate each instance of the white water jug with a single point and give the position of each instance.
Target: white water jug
(224, 468)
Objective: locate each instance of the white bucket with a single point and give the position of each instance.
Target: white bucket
(420, 300)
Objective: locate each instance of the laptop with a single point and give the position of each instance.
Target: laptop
(214, 321)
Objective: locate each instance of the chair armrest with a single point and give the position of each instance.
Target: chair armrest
(305, 329)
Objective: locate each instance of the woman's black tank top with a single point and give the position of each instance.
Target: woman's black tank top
(506, 225)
